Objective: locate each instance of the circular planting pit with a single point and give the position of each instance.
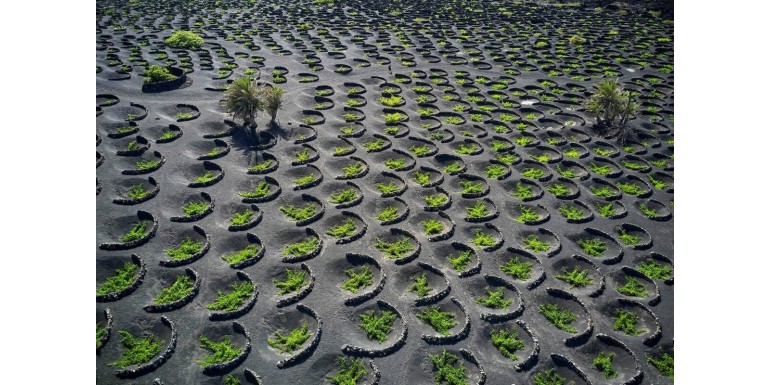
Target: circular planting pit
(420, 284)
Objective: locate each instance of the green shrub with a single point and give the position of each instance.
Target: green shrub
(523, 191)
(436, 200)
(633, 288)
(262, 166)
(137, 192)
(478, 210)
(259, 191)
(534, 244)
(184, 39)
(603, 362)
(294, 280)
(188, 248)
(576, 277)
(387, 214)
(665, 364)
(395, 249)
(432, 227)
(606, 210)
(395, 163)
(291, 342)
(377, 326)
(194, 208)
(533, 173)
(482, 239)
(219, 352)
(625, 321)
(156, 73)
(137, 350)
(304, 180)
(181, 287)
(420, 286)
(445, 371)
(495, 299)
(507, 342)
(466, 150)
(123, 278)
(388, 188)
(461, 261)
(302, 247)
(571, 212)
(208, 176)
(654, 269)
(627, 239)
(100, 332)
(353, 169)
(549, 377)
(137, 231)
(441, 321)
(374, 145)
(419, 150)
(298, 213)
(350, 373)
(527, 215)
(558, 189)
(561, 318)
(344, 196)
(242, 255)
(356, 280)
(146, 164)
(344, 229)
(630, 188)
(517, 269)
(239, 293)
(594, 247)
(242, 218)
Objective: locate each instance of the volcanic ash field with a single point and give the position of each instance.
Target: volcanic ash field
(433, 175)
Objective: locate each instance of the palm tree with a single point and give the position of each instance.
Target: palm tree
(243, 100)
(272, 100)
(606, 101)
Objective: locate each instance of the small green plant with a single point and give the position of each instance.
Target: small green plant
(594, 247)
(395, 163)
(291, 342)
(242, 218)
(298, 213)
(136, 232)
(632, 165)
(391, 101)
(350, 373)
(294, 280)
(561, 318)
(466, 150)
(633, 288)
(188, 248)
(303, 247)
(100, 332)
(262, 166)
(137, 350)
(507, 342)
(648, 212)
(357, 279)
(441, 321)
(523, 191)
(495, 171)
(659, 163)
(630, 188)
(395, 249)
(602, 192)
(436, 200)
(393, 118)
(420, 285)
(627, 239)
(184, 39)
(654, 269)
(421, 178)
(388, 188)
(344, 196)
(571, 212)
(156, 73)
(453, 120)
(241, 255)
(194, 208)
(508, 158)
(534, 244)
(665, 364)
(603, 362)
(432, 227)
(374, 145)
(419, 150)
(470, 187)
(567, 173)
(377, 326)
(603, 152)
(478, 210)
(533, 173)
(259, 191)
(445, 371)
(527, 215)
(123, 278)
(304, 180)
(239, 293)
(387, 214)
(572, 153)
(523, 140)
(183, 115)
(601, 170)
(344, 229)
(576, 277)
(549, 377)
(495, 299)
(137, 192)
(460, 262)
(482, 239)
(657, 183)
(542, 158)
(133, 145)
(302, 155)
(167, 135)
(558, 189)
(181, 287)
(625, 321)
(208, 176)
(606, 210)
(517, 269)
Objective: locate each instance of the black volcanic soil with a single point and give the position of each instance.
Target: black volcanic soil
(473, 77)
